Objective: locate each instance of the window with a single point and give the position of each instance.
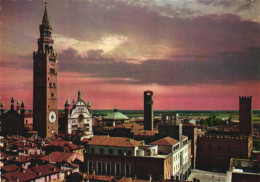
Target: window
(53, 85)
(129, 152)
(108, 168)
(90, 167)
(49, 84)
(92, 150)
(99, 167)
(110, 151)
(127, 170)
(52, 70)
(74, 126)
(86, 125)
(117, 169)
(101, 151)
(80, 118)
(119, 152)
(239, 149)
(52, 94)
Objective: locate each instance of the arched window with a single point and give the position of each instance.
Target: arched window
(81, 118)
(46, 47)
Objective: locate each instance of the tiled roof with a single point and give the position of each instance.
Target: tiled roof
(145, 132)
(67, 145)
(45, 170)
(23, 158)
(57, 157)
(133, 126)
(10, 168)
(114, 141)
(167, 141)
(27, 175)
(183, 137)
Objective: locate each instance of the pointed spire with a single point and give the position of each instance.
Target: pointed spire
(22, 105)
(67, 103)
(2, 104)
(116, 109)
(12, 103)
(45, 19)
(89, 104)
(73, 101)
(79, 95)
(18, 101)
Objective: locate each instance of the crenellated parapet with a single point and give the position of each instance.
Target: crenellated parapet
(223, 137)
(245, 98)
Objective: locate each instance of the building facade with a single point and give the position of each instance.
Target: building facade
(45, 73)
(215, 149)
(79, 118)
(12, 121)
(119, 156)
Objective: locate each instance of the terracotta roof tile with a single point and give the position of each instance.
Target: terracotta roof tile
(45, 170)
(114, 141)
(145, 132)
(57, 157)
(23, 158)
(27, 175)
(67, 145)
(167, 141)
(10, 168)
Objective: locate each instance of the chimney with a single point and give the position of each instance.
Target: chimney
(180, 134)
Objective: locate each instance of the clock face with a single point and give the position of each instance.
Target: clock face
(52, 117)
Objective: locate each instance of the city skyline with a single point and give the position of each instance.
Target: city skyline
(194, 55)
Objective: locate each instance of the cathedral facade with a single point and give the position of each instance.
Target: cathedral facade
(79, 118)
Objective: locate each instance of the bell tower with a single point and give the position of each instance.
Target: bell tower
(45, 72)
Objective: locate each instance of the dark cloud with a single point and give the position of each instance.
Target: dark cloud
(224, 68)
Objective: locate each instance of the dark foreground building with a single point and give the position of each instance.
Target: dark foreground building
(216, 149)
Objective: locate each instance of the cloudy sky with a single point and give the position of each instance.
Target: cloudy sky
(193, 54)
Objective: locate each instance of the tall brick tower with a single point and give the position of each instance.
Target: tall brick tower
(148, 110)
(245, 115)
(45, 70)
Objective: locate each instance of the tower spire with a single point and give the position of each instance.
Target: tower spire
(45, 19)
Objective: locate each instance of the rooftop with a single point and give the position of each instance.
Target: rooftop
(167, 141)
(114, 141)
(58, 157)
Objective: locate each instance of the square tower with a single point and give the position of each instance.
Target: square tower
(148, 110)
(245, 115)
(45, 72)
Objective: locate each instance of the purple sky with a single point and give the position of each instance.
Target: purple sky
(194, 54)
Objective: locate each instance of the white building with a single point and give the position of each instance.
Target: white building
(180, 157)
(79, 118)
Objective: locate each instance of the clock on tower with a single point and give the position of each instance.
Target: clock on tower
(45, 71)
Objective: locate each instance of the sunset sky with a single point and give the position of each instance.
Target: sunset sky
(193, 54)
